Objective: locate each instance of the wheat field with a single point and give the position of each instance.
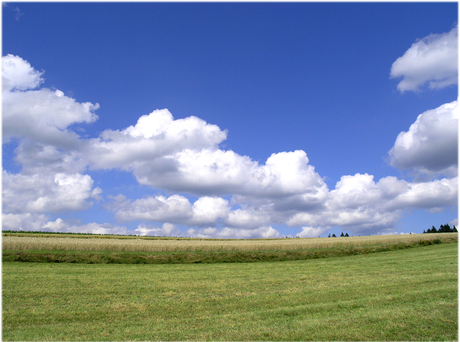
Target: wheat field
(143, 244)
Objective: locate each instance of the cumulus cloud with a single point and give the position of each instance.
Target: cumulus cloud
(154, 136)
(431, 144)
(24, 221)
(40, 193)
(218, 172)
(204, 212)
(50, 180)
(18, 74)
(352, 192)
(308, 232)
(183, 157)
(358, 203)
(37, 158)
(362, 205)
(432, 60)
(233, 233)
(40, 115)
(434, 195)
(61, 226)
(154, 209)
(250, 217)
(167, 229)
(44, 116)
(208, 210)
(41, 222)
(362, 220)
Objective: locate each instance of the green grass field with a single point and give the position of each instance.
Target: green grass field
(406, 294)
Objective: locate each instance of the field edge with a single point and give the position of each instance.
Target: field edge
(106, 257)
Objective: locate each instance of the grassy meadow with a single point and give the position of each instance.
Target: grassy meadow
(404, 294)
(70, 248)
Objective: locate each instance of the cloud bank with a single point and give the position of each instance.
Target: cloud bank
(212, 192)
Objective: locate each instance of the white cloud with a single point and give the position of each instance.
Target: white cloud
(249, 218)
(360, 204)
(41, 222)
(431, 144)
(204, 172)
(37, 158)
(176, 209)
(23, 221)
(454, 222)
(360, 190)
(50, 179)
(18, 74)
(360, 220)
(432, 60)
(55, 226)
(218, 172)
(41, 193)
(183, 156)
(40, 115)
(308, 232)
(233, 233)
(167, 229)
(44, 116)
(154, 209)
(208, 210)
(434, 195)
(61, 226)
(154, 136)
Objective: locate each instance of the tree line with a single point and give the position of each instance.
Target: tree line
(341, 235)
(444, 228)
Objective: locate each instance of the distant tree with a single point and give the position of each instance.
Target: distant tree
(329, 235)
(333, 235)
(444, 228)
(346, 235)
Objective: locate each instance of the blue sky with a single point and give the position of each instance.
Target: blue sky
(230, 119)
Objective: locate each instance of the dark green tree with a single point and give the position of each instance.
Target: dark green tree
(444, 228)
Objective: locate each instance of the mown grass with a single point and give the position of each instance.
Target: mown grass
(407, 294)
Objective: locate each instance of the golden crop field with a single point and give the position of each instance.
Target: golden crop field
(144, 244)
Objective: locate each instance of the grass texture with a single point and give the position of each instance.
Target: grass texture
(399, 295)
(141, 250)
